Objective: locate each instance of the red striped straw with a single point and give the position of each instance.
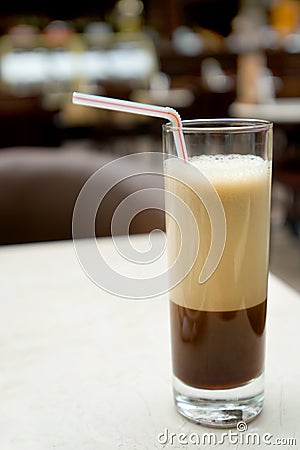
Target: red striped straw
(137, 108)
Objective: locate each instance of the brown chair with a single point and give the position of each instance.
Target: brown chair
(39, 188)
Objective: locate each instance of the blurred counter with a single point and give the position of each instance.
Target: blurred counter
(129, 57)
(281, 110)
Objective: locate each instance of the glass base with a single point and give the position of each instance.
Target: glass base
(222, 408)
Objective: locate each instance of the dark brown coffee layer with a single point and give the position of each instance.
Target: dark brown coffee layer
(217, 350)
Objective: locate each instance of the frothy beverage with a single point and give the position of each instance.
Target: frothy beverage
(218, 326)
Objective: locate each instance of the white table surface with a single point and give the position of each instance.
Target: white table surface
(83, 369)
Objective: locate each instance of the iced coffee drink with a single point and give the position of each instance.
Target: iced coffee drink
(218, 326)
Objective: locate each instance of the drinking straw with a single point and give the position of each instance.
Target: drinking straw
(143, 109)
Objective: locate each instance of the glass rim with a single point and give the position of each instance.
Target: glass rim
(221, 125)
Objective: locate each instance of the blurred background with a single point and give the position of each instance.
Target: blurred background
(205, 58)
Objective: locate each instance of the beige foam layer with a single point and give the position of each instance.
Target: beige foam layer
(240, 280)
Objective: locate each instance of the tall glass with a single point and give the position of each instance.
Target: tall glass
(217, 227)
